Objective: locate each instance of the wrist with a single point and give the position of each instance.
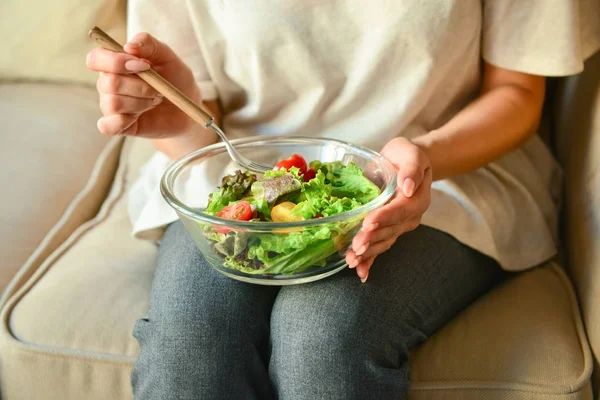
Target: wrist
(425, 143)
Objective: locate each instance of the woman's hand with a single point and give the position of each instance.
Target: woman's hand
(402, 213)
(130, 106)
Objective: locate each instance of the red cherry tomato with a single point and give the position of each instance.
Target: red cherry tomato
(309, 174)
(296, 160)
(241, 211)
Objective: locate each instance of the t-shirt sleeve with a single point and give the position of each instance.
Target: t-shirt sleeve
(541, 37)
(169, 21)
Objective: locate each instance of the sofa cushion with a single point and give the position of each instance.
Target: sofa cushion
(62, 370)
(47, 40)
(74, 319)
(525, 336)
(48, 157)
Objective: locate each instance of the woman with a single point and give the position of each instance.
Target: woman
(450, 91)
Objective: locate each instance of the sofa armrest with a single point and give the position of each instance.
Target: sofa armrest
(577, 129)
(56, 170)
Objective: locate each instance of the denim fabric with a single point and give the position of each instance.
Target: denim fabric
(211, 337)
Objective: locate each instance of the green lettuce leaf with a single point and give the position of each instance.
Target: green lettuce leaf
(315, 165)
(350, 181)
(261, 206)
(276, 173)
(305, 209)
(313, 256)
(316, 190)
(273, 245)
(338, 206)
(313, 197)
(319, 201)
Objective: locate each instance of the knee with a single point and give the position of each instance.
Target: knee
(161, 363)
(299, 336)
(337, 351)
(340, 332)
(177, 359)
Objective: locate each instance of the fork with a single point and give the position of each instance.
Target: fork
(184, 103)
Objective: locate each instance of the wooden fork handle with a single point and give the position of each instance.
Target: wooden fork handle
(160, 84)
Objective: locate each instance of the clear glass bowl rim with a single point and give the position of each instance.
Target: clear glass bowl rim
(173, 171)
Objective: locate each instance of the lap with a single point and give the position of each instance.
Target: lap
(349, 339)
(186, 287)
(352, 340)
(424, 280)
(202, 329)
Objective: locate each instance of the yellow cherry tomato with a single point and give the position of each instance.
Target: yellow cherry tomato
(283, 212)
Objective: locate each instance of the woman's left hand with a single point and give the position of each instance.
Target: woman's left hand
(402, 213)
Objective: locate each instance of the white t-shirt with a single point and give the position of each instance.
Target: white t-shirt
(366, 72)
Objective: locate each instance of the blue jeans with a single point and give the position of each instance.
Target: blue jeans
(211, 337)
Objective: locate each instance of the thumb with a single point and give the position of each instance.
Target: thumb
(147, 47)
(410, 177)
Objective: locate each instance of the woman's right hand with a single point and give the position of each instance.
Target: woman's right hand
(130, 106)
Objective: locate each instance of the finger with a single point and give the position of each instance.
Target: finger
(391, 213)
(352, 259)
(116, 123)
(378, 248)
(132, 130)
(127, 85)
(144, 45)
(409, 178)
(400, 209)
(362, 270)
(118, 104)
(411, 171)
(361, 241)
(411, 163)
(102, 60)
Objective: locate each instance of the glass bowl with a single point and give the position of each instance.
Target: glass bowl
(187, 183)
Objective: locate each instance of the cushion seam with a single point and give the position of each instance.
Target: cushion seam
(105, 212)
(82, 356)
(30, 264)
(497, 388)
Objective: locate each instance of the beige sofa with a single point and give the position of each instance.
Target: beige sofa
(80, 280)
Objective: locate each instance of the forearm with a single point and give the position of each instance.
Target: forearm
(497, 122)
(196, 138)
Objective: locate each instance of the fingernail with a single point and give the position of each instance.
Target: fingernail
(134, 44)
(372, 227)
(157, 100)
(362, 250)
(136, 65)
(408, 187)
(354, 264)
(363, 280)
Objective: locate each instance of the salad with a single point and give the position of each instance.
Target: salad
(292, 191)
